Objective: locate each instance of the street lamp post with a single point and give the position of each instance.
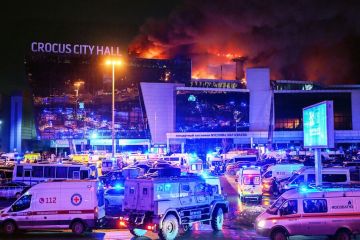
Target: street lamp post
(1, 122)
(113, 63)
(77, 86)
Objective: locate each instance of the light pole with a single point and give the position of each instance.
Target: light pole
(113, 63)
(77, 86)
(1, 122)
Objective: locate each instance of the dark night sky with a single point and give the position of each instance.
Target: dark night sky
(298, 39)
(111, 22)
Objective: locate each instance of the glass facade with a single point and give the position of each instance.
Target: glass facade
(288, 109)
(212, 111)
(72, 94)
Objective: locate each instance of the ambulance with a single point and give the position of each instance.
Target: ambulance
(249, 184)
(195, 167)
(312, 212)
(73, 204)
(107, 165)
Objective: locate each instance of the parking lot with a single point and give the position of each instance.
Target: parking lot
(238, 223)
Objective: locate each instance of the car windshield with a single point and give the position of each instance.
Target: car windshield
(295, 175)
(152, 170)
(162, 165)
(174, 159)
(275, 206)
(268, 174)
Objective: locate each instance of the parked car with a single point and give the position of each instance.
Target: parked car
(12, 189)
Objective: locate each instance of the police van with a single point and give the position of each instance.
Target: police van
(74, 204)
(312, 212)
(165, 204)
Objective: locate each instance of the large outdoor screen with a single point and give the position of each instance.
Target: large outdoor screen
(319, 125)
(212, 111)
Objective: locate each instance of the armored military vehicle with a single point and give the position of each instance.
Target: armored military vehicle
(166, 205)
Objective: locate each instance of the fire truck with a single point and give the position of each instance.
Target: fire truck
(169, 204)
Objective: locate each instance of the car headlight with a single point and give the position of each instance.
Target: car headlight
(261, 224)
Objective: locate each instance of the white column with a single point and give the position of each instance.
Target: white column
(318, 167)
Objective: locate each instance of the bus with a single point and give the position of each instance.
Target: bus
(34, 173)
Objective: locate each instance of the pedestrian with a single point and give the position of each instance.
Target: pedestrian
(274, 187)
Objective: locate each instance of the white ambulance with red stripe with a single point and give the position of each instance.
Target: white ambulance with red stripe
(313, 212)
(75, 204)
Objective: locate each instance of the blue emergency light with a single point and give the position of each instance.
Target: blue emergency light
(118, 187)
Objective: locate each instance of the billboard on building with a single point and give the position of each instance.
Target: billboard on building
(319, 125)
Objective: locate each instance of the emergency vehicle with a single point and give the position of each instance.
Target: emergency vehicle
(34, 173)
(306, 176)
(195, 167)
(312, 212)
(214, 161)
(242, 158)
(132, 158)
(107, 165)
(238, 153)
(282, 171)
(164, 204)
(278, 172)
(75, 204)
(178, 159)
(249, 184)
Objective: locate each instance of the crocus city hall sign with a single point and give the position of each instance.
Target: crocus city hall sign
(77, 49)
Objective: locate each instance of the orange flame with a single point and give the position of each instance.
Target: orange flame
(209, 64)
(152, 52)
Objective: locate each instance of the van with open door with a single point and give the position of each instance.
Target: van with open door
(306, 176)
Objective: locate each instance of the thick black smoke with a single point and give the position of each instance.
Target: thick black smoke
(314, 40)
